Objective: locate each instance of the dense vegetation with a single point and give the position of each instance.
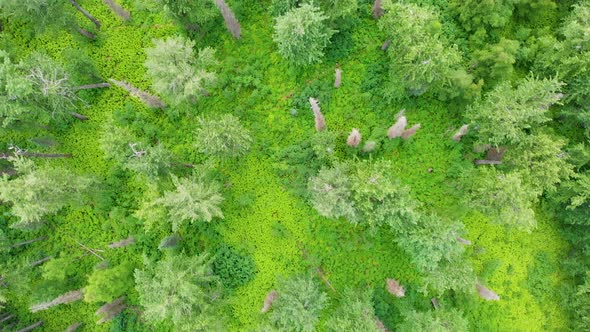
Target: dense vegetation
(294, 165)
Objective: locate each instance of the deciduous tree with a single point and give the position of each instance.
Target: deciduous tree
(222, 137)
(177, 72)
(180, 289)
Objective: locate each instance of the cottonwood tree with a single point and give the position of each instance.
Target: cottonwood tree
(222, 137)
(179, 289)
(420, 58)
(503, 197)
(331, 193)
(36, 90)
(355, 313)
(42, 15)
(122, 146)
(302, 34)
(299, 304)
(442, 320)
(194, 200)
(177, 72)
(506, 114)
(39, 191)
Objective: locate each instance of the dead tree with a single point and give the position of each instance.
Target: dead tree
(496, 153)
(93, 86)
(20, 244)
(68, 297)
(369, 146)
(117, 9)
(232, 24)
(380, 326)
(486, 293)
(394, 288)
(320, 122)
(460, 133)
(463, 241)
(146, 98)
(338, 78)
(322, 276)
(110, 310)
(487, 162)
(354, 139)
(31, 327)
(398, 128)
(410, 132)
(268, 300)
(86, 33)
(377, 9)
(85, 13)
(434, 302)
(41, 261)
(74, 327)
(5, 318)
(122, 243)
(385, 45)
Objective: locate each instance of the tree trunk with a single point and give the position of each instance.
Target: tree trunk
(231, 22)
(122, 243)
(487, 162)
(20, 244)
(68, 297)
(434, 302)
(385, 45)
(122, 13)
(79, 116)
(46, 155)
(6, 318)
(85, 13)
(86, 33)
(93, 86)
(377, 9)
(41, 261)
(146, 98)
(73, 327)
(31, 327)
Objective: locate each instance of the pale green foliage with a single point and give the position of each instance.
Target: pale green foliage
(354, 314)
(333, 8)
(108, 284)
(455, 274)
(299, 305)
(193, 200)
(431, 241)
(179, 289)
(506, 114)
(36, 90)
(222, 137)
(302, 35)
(420, 60)
(53, 91)
(3, 297)
(379, 199)
(442, 320)
(39, 191)
(177, 72)
(541, 162)
(15, 90)
(331, 193)
(503, 197)
(121, 145)
(155, 161)
(362, 192)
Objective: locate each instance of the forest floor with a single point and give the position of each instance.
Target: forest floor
(265, 216)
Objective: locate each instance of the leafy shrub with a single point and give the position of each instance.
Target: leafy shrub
(234, 269)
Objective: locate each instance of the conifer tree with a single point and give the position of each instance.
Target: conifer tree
(222, 137)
